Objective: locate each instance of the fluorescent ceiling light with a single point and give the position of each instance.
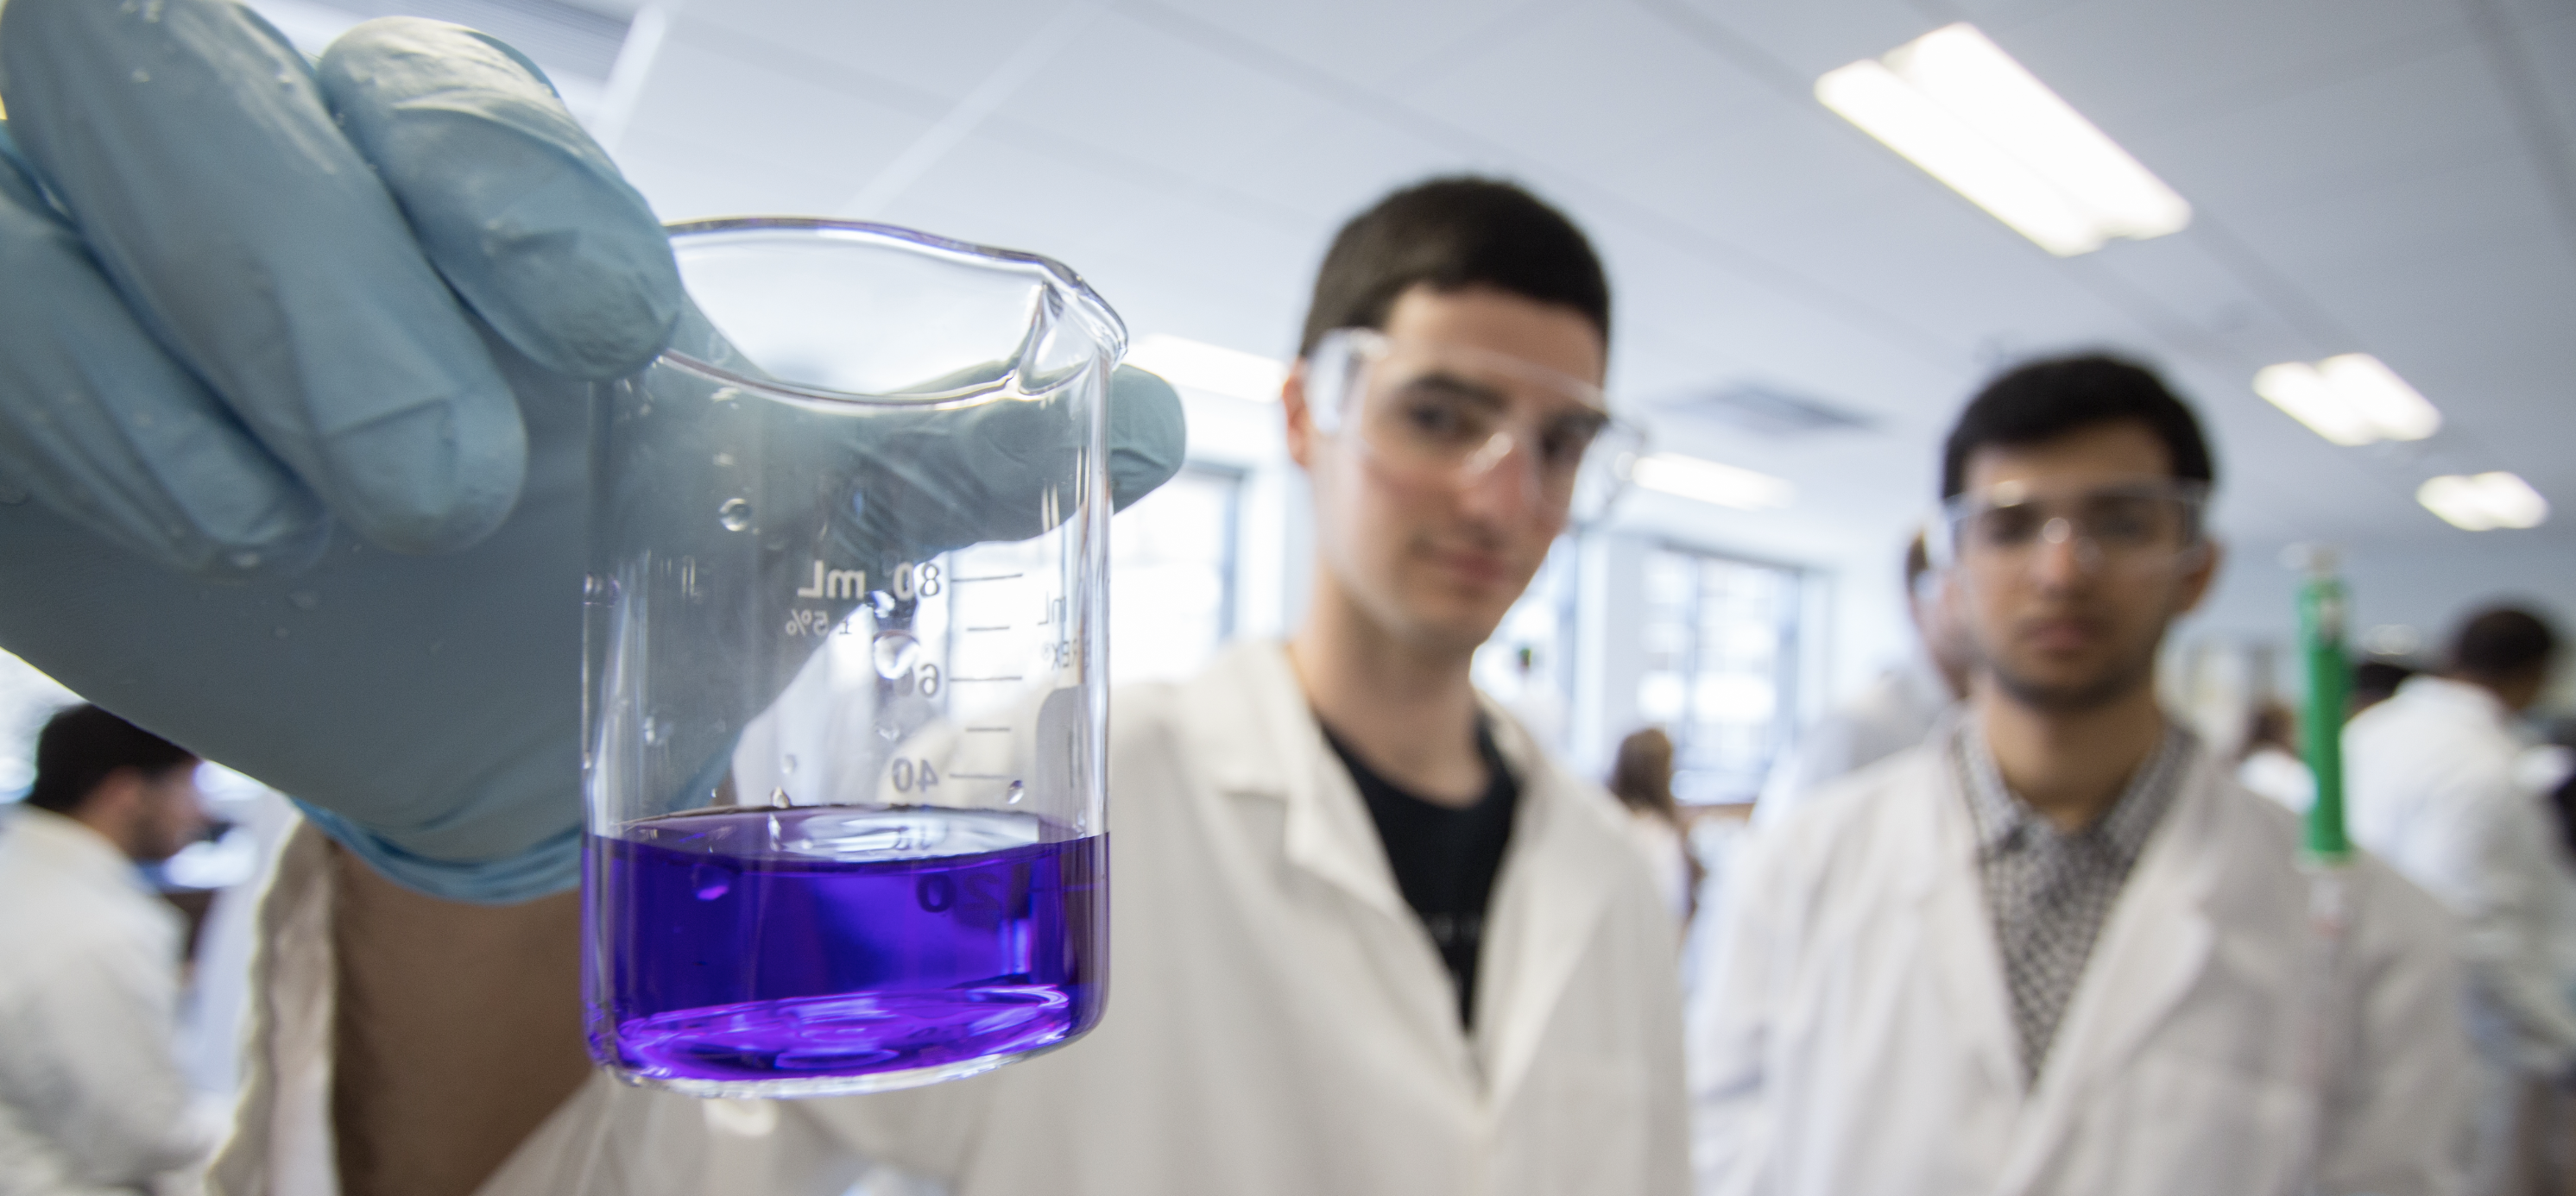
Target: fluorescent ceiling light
(1953, 103)
(2349, 399)
(1711, 482)
(1212, 368)
(2484, 502)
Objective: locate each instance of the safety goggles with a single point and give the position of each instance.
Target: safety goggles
(1449, 415)
(2128, 530)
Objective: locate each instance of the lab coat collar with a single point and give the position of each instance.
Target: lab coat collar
(1944, 885)
(1258, 738)
(2152, 949)
(66, 845)
(2458, 696)
(2159, 939)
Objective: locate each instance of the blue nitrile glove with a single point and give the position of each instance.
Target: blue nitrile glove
(293, 374)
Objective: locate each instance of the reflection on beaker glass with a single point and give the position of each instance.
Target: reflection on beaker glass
(846, 697)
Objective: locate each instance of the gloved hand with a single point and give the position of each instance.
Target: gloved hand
(293, 366)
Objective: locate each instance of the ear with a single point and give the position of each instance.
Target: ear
(1298, 415)
(2195, 584)
(1300, 418)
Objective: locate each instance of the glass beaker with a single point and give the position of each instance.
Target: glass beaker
(846, 697)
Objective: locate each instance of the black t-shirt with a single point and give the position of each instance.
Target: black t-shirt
(1444, 859)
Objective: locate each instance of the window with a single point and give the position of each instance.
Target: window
(1171, 577)
(1720, 640)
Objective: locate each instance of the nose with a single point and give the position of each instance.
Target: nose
(1502, 480)
(2065, 557)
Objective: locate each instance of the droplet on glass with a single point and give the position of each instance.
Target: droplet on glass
(724, 460)
(778, 798)
(142, 76)
(725, 394)
(787, 765)
(279, 633)
(1018, 791)
(735, 514)
(305, 599)
(653, 730)
(598, 591)
(896, 654)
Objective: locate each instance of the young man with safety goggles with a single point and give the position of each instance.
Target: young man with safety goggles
(2056, 948)
(1369, 938)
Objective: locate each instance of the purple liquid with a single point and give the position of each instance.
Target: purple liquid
(756, 944)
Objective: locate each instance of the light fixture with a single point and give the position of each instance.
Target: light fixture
(2484, 502)
(2349, 399)
(1212, 368)
(1953, 103)
(1713, 483)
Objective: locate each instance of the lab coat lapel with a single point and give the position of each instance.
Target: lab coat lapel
(1259, 738)
(1958, 936)
(1546, 902)
(2151, 951)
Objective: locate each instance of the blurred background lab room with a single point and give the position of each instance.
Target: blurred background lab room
(2345, 234)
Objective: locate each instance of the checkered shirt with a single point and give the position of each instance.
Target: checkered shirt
(2049, 890)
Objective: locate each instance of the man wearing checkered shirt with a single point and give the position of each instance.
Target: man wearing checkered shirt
(2056, 949)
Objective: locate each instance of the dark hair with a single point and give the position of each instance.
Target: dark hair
(1642, 776)
(81, 746)
(1918, 561)
(1449, 234)
(2376, 680)
(2045, 399)
(2502, 641)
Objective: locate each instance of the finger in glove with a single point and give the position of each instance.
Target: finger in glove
(543, 237)
(101, 425)
(191, 148)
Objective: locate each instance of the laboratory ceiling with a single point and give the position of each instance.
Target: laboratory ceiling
(2395, 177)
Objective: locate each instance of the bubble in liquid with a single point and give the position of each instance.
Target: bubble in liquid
(710, 882)
(735, 514)
(896, 654)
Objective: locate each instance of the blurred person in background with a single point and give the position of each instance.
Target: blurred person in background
(1642, 779)
(92, 1095)
(1894, 713)
(2271, 764)
(2432, 787)
(2375, 681)
(2046, 950)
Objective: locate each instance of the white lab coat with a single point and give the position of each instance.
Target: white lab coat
(91, 1094)
(1853, 1033)
(1893, 714)
(2430, 785)
(1278, 1023)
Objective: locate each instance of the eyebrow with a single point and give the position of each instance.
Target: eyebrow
(1449, 383)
